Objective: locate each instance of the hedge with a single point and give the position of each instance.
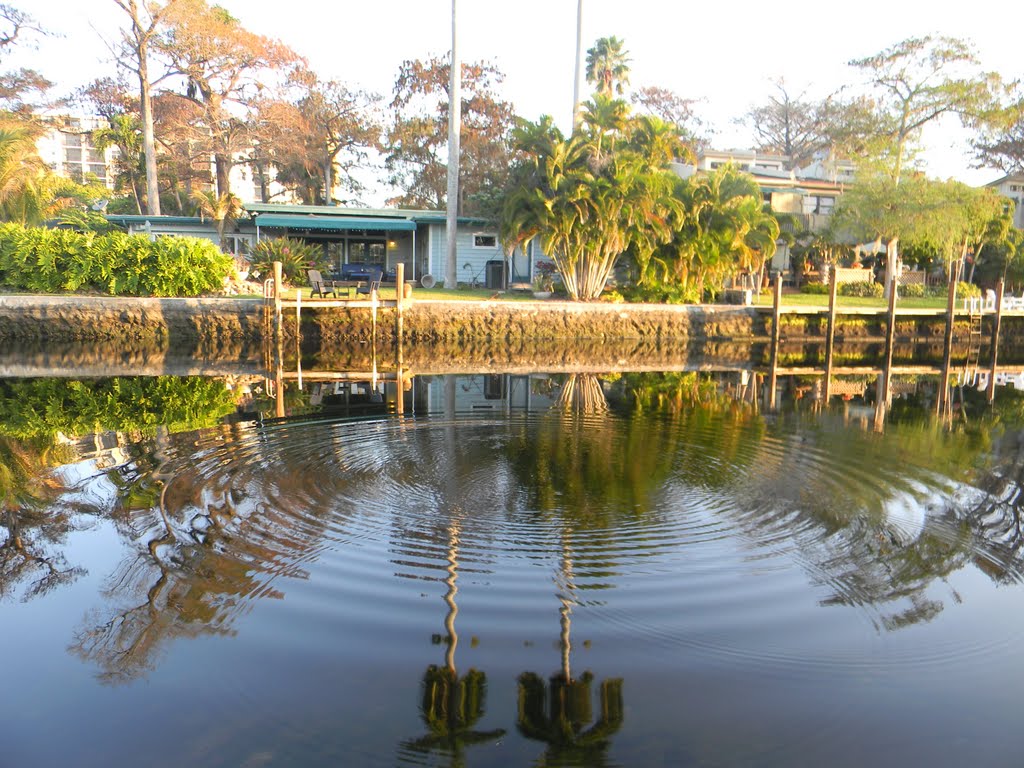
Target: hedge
(61, 261)
(32, 408)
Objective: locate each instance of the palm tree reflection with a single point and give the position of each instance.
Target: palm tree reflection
(452, 705)
(559, 713)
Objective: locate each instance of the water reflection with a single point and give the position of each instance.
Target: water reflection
(451, 705)
(34, 518)
(668, 513)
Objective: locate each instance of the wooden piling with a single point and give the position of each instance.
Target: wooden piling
(996, 326)
(279, 284)
(942, 401)
(399, 300)
(890, 341)
(833, 286)
(776, 335)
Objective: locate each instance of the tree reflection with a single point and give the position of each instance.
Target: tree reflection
(558, 714)
(33, 521)
(199, 556)
(452, 705)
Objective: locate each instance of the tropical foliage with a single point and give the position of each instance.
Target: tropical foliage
(725, 231)
(56, 261)
(296, 256)
(592, 196)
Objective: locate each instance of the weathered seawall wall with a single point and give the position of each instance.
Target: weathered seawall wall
(84, 318)
(483, 330)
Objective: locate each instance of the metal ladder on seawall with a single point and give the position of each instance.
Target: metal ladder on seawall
(970, 376)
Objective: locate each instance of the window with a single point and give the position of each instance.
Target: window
(485, 241)
(818, 204)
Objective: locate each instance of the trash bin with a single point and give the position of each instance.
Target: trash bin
(494, 277)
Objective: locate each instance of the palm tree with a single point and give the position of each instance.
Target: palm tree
(124, 132)
(587, 198)
(223, 210)
(726, 230)
(26, 187)
(608, 66)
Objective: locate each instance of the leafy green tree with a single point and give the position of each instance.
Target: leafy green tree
(26, 184)
(608, 66)
(919, 80)
(223, 210)
(949, 218)
(124, 132)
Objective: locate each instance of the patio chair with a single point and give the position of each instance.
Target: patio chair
(373, 285)
(319, 286)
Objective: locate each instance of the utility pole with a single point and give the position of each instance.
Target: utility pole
(454, 127)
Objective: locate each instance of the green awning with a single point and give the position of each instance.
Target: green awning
(334, 223)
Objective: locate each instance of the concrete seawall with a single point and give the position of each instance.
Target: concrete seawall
(198, 325)
(85, 318)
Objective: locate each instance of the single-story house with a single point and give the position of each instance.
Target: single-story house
(382, 237)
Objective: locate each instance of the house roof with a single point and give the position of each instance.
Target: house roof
(1018, 177)
(334, 212)
(128, 219)
(332, 223)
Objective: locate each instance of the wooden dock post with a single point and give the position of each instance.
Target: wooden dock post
(278, 286)
(399, 300)
(890, 342)
(399, 331)
(996, 325)
(830, 336)
(942, 401)
(373, 314)
(776, 335)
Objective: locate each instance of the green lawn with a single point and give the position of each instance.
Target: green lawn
(763, 300)
(459, 294)
(818, 300)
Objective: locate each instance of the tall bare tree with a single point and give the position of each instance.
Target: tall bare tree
(145, 17)
(225, 68)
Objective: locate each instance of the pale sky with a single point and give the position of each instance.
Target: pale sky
(725, 54)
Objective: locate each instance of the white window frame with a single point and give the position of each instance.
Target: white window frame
(485, 234)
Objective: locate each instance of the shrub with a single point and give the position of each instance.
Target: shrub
(296, 256)
(912, 291)
(815, 289)
(861, 289)
(56, 261)
(966, 290)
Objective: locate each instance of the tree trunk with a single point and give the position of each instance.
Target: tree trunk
(223, 164)
(454, 127)
(576, 76)
(141, 48)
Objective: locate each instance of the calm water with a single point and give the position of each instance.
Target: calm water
(634, 570)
